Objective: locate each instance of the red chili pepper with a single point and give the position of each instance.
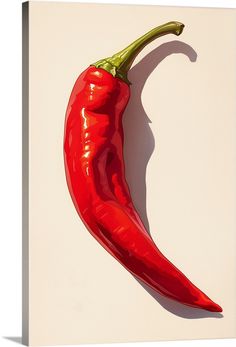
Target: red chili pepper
(95, 172)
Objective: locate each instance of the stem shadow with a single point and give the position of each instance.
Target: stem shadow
(139, 145)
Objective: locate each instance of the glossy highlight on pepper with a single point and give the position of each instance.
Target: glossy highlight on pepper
(95, 173)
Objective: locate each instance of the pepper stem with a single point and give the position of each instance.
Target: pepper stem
(120, 63)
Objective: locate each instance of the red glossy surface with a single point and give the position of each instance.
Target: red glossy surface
(93, 153)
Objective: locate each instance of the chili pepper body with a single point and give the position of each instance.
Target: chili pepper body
(95, 172)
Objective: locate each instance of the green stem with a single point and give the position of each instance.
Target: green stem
(120, 63)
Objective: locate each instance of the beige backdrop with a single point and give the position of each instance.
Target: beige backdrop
(179, 139)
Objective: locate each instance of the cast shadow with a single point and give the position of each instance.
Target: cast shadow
(16, 339)
(139, 145)
(139, 141)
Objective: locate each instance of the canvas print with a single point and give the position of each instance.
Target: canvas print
(129, 162)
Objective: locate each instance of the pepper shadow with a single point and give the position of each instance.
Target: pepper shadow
(139, 141)
(139, 145)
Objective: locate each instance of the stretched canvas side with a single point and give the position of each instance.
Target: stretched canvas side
(25, 173)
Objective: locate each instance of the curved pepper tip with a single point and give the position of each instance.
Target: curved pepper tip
(215, 307)
(211, 306)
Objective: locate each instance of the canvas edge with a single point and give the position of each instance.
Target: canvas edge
(25, 173)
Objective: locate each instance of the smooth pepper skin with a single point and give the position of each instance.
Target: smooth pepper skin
(95, 173)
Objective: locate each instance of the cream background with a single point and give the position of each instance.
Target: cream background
(77, 292)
